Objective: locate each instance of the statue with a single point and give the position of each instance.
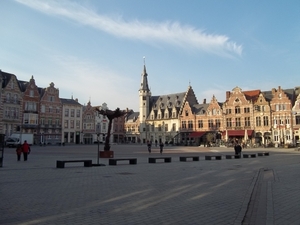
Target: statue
(110, 114)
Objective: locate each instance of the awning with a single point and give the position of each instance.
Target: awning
(241, 133)
(197, 134)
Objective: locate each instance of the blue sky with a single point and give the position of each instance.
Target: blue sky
(94, 49)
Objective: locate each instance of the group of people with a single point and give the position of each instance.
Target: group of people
(161, 146)
(25, 149)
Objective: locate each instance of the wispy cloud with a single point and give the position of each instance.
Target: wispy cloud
(93, 82)
(151, 32)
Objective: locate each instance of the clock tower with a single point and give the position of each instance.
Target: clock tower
(144, 95)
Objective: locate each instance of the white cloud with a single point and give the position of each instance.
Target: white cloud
(151, 32)
(87, 81)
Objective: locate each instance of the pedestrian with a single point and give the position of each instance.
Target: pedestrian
(237, 148)
(155, 143)
(19, 152)
(161, 146)
(25, 150)
(149, 146)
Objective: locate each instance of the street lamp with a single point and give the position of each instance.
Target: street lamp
(98, 131)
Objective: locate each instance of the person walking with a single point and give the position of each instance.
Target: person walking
(161, 146)
(19, 152)
(237, 148)
(149, 146)
(25, 150)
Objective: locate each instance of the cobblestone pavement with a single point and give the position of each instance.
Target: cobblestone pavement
(261, 190)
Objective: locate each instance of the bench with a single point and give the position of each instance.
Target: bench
(184, 158)
(166, 159)
(233, 156)
(113, 162)
(61, 163)
(217, 157)
(263, 154)
(252, 155)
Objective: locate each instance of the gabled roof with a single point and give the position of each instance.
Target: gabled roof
(167, 101)
(252, 95)
(66, 101)
(200, 109)
(132, 116)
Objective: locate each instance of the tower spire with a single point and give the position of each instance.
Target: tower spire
(144, 83)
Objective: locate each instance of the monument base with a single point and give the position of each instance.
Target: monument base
(106, 154)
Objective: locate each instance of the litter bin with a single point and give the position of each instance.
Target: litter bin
(1, 149)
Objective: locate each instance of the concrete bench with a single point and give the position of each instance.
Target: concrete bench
(113, 162)
(233, 156)
(184, 158)
(209, 157)
(61, 163)
(153, 159)
(252, 155)
(263, 153)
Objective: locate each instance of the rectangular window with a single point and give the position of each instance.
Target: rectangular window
(210, 124)
(258, 121)
(247, 110)
(43, 109)
(66, 112)
(287, 120)
(238, 122)
(26, 118)
(228, 111)
(72, 112)
(237, 110)
(174, 127)
(247, 121)
(190, 124)
(72, 124)
(228, 122)
(266, 121)
(78, 113)
(77, 124)
(200, 123)
(66, 124)
(218, 123)
(297, 120)
(183, 124)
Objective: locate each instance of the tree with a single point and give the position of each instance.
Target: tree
(110, 114)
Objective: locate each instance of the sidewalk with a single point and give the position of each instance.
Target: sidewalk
(262, 190)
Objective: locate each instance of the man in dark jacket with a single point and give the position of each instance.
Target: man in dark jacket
(237, 148)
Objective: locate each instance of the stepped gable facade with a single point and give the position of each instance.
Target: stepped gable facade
(281, 107)
(159, 115)
(50, 115)
(296, 116)
(11, 104)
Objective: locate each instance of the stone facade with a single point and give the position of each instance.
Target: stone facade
(71, 121)
(31, 108)
(50, 118)
(12, 101)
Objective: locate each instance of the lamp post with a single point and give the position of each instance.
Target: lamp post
(98, 130)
